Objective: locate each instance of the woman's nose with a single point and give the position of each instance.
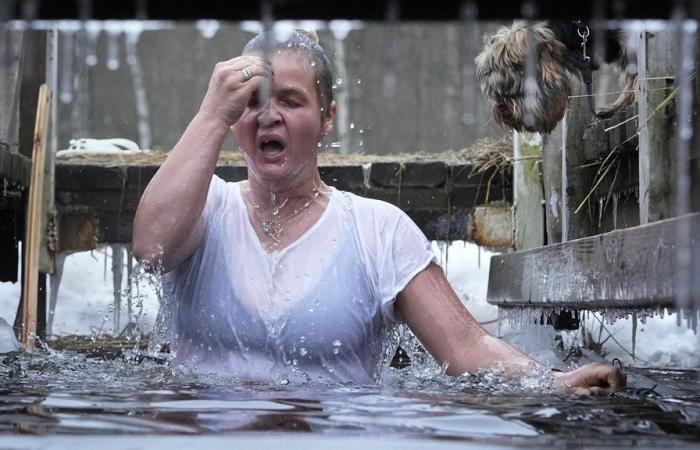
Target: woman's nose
(268, 115)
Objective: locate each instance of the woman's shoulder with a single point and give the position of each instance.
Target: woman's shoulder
(227, 189)
(363, 205)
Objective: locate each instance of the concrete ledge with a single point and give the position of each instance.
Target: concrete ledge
(636, 267)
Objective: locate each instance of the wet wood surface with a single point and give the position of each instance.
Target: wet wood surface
(635, 267)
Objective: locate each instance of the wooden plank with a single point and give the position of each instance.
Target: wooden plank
(635, 267)
(10, 51)
(552, 180)
(33, 75)
(48, 242)
(687, 152)
(33, 228)
(657, 62)
(528, 210)
(577, 176)
(14, 168)
(96, 204)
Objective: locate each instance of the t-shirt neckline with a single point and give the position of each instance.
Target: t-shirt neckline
(278, 254)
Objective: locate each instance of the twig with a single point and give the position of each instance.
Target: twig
(583, 202)
(636, 358)
(621, 123)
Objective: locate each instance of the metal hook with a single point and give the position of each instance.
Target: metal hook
(585, 34)
(584, 38)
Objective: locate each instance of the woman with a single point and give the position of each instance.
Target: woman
(282, 277)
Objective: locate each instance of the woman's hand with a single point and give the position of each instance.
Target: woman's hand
(591, 379)
(231, 86)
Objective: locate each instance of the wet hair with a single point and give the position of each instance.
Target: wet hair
(305, 42)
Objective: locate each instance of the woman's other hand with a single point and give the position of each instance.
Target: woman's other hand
(231, 87)
(591, 379)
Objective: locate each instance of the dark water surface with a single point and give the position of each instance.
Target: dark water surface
(68, 400)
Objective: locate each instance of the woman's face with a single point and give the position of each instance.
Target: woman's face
(279, 138)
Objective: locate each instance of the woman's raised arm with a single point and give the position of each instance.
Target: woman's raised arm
(168, 223)
(435, 314)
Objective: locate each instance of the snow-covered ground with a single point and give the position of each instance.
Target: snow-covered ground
(86, 301)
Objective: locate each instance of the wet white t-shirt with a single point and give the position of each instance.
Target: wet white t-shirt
(316, 310)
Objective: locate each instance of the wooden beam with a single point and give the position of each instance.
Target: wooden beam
(10, 51)
(631, 268)
(96, 203)
(568, 178)
(657, 57)
(33, 75)
(33, 228)
(552, 149)
(14, 167)
(528, 209)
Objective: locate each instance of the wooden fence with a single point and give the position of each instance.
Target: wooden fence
(636, 173)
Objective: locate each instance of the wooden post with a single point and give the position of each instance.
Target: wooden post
(551, 174)
(527, 194)
(9, 90)
(657, 63)
(33, 225)
(687, 176)
(566, 181)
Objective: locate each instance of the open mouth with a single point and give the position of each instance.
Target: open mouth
(271, 146)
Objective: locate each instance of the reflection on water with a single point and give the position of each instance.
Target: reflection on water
(70, 394)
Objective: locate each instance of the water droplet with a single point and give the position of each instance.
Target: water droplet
(302, 351)
(208, 28)
(284, 381)
(352, 126)
(302, 339)
(359, 81)
(337, 343)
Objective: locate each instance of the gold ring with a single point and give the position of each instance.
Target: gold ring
(247, 75)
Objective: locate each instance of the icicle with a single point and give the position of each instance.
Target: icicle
(54, 284)
(340, 31)
(447, 256)
(113, 48)
(391, 48)
(470, 29)
(117, 274)
(133, 33)
(615, 199)
(92, 30)
(130, 281)
(208, 28)
(634, 335)
(67, 66)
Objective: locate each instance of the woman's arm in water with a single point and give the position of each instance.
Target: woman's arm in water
(437, 317)
(168, 223)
